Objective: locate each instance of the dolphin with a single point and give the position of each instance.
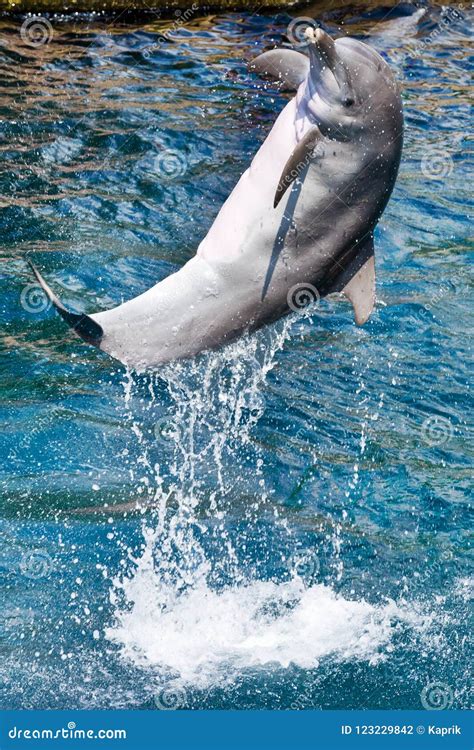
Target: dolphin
(297, 226)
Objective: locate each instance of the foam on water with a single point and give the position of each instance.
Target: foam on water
(205, 637)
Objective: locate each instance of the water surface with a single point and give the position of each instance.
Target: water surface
(303, 533)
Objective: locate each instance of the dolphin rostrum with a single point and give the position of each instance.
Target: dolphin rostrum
(297, 226)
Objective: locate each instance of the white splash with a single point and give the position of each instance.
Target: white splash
(205, 637)
(170, 613)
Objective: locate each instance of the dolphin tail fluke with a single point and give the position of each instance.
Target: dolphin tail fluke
(82, 324)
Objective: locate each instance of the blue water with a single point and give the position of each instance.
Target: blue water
(283, 523)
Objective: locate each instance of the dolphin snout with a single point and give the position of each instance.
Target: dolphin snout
(323, 41)
(323, 53)
(318, 35)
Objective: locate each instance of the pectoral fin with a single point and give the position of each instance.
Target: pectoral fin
(357, 279)
(297, 163)
(285, 65)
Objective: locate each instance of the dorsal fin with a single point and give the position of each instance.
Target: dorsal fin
(285, 65)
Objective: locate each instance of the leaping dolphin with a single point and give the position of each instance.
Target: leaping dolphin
(300, 220)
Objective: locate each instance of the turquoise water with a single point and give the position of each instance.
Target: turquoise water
(283, 523)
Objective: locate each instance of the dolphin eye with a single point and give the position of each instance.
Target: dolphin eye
(348, 102)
